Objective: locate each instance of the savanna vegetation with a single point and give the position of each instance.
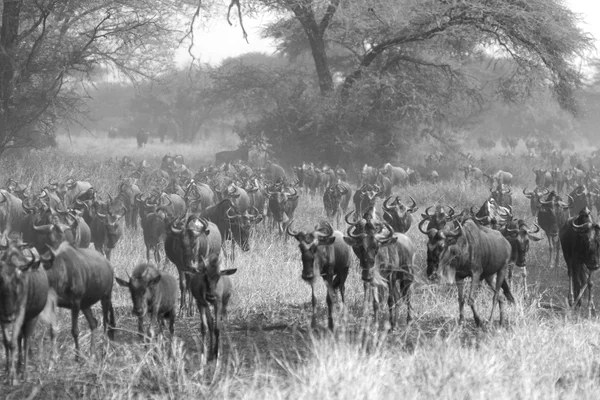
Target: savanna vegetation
(269, 351)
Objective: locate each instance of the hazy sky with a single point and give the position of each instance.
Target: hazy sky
(220, 40)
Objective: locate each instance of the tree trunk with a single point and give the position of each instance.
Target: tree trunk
(8, 39)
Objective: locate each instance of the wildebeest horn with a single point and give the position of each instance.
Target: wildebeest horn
(102, 216)
(571, 201)
(348, 221)
(3, 200)
(537, 228)
(426, 232)
(352, 235)
(456, 232)
(42, 228)
(527, 194)
(232, 216)
(166, 197)
(293, 195)
(511, 230)
(289, 230)
(413, 207)
(386, 207)
(427, 211)
(174, 230)
(451, 212)
(581, 228)
(28, 209)
(138, 198)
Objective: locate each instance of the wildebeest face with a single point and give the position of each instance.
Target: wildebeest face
(12, 284)
(212, 275)
(435, 245)
(366, 245)
(139, 288)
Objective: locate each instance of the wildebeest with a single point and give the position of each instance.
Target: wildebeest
(367, 175)
(397, 175)
(386, 259)
(282, 206)
(12, 214)
(384, 186)
(75, 189)
(439, 218)
(500, 177)
(580, 241)
(211, 285)
(152, 292)
(198, 196)
(231, 223)
(335, 200)
(142, 138)
(552, 215)
(186, 241)
(230, 156)
(128, 190)
(398, 215)
(324, 254)
(473, 173)
(274, 172)
(491, 213)
(578, 199)
(81, 278)
(154, 232)
(364, 198)
(23, 296)
(543, 178)
(106, 231)
(559, 179)
(534, 197)
(518, 235)
(63, 226)
(503, 195)
(471, 251)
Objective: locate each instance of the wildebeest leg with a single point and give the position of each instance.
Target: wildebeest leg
(405, 285)
(331, 297)
(393, 298)
(460, 286)
(213, 331)
(108, 317)
(571, 298)
(48, 317)
(375, 294)
(551, 248)
(75, 328)
(475, 281)
(93, 323)
(10, 342)
(107, 253)
(557, 250)
(313, 302)
(26, 334)
(366, 301)
(590, 285)
(183, 290)
(148, 253)
(141, 328)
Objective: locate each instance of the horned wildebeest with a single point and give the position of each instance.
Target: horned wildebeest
(557, 159)
(534, 197)
(256, 194)
(491, 213)
(364, 198)
(439, 218)
(384, 185)
(384, 258)
(559, 179)
(503, 195)
(19, 190)
(324, 253)
(332, 200)
(152, 292)
(154, 232)
(341, 174)
(198, 196)
(81, 278)
(397, 175)
(230, 156)
(23, 296)
(142, 138)
(231, 223)
(501, 177)
(106, 230)
(367, 175)
(74, 190)
(12, 214)
(580, 241)
(128, 190)
(578, 199)
(414, 177)
(473, 251)
(398, 215)
(62, 226)
(237, 195)
(282, 206)
(543, 178)
(186, 240)
(211, 285)
(473, 173)
(518, 235)
(552, 215)
(329, 177)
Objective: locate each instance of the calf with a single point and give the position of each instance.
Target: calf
(332, 199)
(518, 235)
(211, 286)
(153, 292)
(324, 254)
(23, 295)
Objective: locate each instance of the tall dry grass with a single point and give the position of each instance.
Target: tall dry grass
(547, 351)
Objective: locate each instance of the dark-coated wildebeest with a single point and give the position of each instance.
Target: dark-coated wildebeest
(106, 231)
(580, 241)
(282, 206)
(397, 175)
(199, 196)
(128, 190)
(367, 175)
(472, 251)
(503, 195)
(186, 241)
(153, 292)
(439, 218)
(492, 214)
(68, 227)
(559, 179)
(154, 231)
(534, 197)
(543, 178)
(142, 138)
(518, 235)
(335, 200)
(473, 173)
(324, 254)
(81, 278)
(274, 172)
(578, 199)
(211, 285)
(386, 260)
(23, 296)
(364, 198)
(398, 215)
(12, 215)
(551, 217)
(231, 156)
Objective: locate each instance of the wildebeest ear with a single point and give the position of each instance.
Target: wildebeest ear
(154, 280)
(349, 241)
(122, 282)
(230, 271)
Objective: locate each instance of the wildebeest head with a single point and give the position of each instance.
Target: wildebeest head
(190, 232)
(534, 197)
(112, 223)
(241, 224)
(310, 250)
(398, 215)
(142, 281)
(212, 274)
(278, 201)
(435, 244)
(518, 235)
(451, 251)
(332, 197)
(439, 218)
(366, 238)
(492, 214)
(502, 194)
(589, 233)
(13, 280)
(578, 199)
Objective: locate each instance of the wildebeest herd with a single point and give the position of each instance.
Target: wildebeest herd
(45, 261)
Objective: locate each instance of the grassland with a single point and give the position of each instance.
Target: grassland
(547, 351)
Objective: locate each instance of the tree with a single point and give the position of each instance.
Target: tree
(49, 48)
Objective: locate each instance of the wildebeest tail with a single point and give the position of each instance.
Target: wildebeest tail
(507, 292)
